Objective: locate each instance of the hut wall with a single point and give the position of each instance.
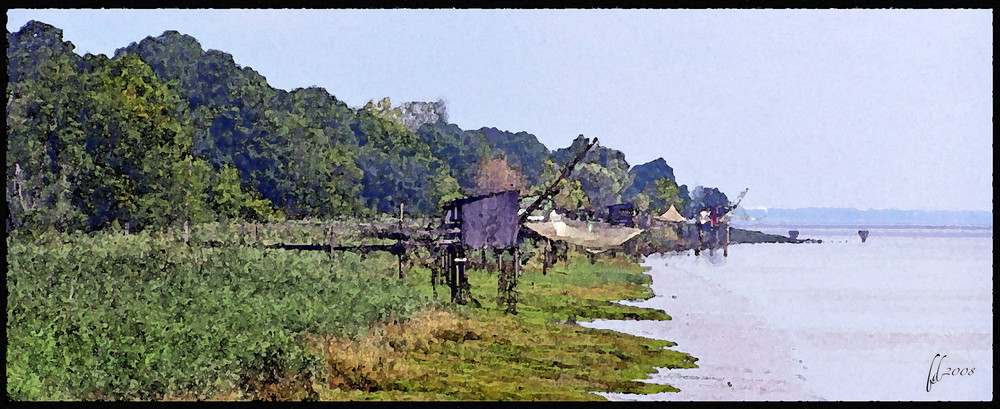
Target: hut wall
(491, 221)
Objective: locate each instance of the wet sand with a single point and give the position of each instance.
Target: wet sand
(740, 356)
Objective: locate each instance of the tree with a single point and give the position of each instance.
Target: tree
(571, 196)
(705, 197)
(666, 193)
(462, 151)
(495, 175)
(641, 201)
(522, 150)
(603, 173)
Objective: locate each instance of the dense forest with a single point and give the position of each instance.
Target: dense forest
(165, 133)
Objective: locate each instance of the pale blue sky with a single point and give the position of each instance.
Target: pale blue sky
(843, 108)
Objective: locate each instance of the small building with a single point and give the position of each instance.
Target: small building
(487, 221)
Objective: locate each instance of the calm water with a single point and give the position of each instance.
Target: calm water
(840, 320)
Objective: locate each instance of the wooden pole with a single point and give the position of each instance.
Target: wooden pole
(450, 268)
(463, 286)
(434, 272)
(725, 244)
(501, 281)
(399, 258)
(546, 255)
(512, 292)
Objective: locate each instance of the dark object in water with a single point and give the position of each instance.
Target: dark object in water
(793, 234)
(863, 234)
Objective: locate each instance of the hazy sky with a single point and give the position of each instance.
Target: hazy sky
(850, 108)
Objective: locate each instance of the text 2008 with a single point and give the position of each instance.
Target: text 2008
(935, 376)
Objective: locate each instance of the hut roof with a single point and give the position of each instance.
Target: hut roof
(671, 215)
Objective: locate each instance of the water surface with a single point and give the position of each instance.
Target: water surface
(839, 320)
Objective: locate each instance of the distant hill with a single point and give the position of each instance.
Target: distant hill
(645, 173)
(832, 216)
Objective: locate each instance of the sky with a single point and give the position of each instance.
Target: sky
(882, 109)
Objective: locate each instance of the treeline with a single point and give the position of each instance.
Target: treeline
(165, 133)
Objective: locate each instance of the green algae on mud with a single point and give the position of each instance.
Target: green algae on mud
(538, 354)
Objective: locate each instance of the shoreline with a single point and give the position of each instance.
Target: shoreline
(707, 321)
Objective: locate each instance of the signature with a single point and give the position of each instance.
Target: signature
(935, 376)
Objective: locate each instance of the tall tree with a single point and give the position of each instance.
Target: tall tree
(461, 150)
(522, 151)
(666, 193)
(603, 174)
(495, 175)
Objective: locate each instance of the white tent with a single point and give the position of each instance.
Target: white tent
(671, 215)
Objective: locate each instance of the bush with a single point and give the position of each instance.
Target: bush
(117, 317)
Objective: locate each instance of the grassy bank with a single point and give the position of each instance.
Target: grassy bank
(148, 317)
(453, 352)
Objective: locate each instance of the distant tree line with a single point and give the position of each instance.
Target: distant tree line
(165, 133)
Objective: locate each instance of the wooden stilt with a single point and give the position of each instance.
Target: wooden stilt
(725, 244)
(546, 256)
(399, 259)
(463, 282)
(512, 295)
(452, 274)
(501, 281)
(435, 266)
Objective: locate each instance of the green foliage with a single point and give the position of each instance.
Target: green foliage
(641, 201)
(603, 173)
(461, 150)
(230, 201)
(667, 193)
(523, 152)
(143, 316)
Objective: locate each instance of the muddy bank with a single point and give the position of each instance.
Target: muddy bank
(741, 357)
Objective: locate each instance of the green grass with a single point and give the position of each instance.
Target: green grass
(144, 316)
(141, 317)
(484, 354)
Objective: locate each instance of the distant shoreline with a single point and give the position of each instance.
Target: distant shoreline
(858, 226)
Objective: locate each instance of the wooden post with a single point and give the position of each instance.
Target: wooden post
(725, 244)
(463, 286)
(512, 286)
(501, 281)
(452, 273)
(546, 254)
(434, 271)
(443, 264)
(399, 258)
